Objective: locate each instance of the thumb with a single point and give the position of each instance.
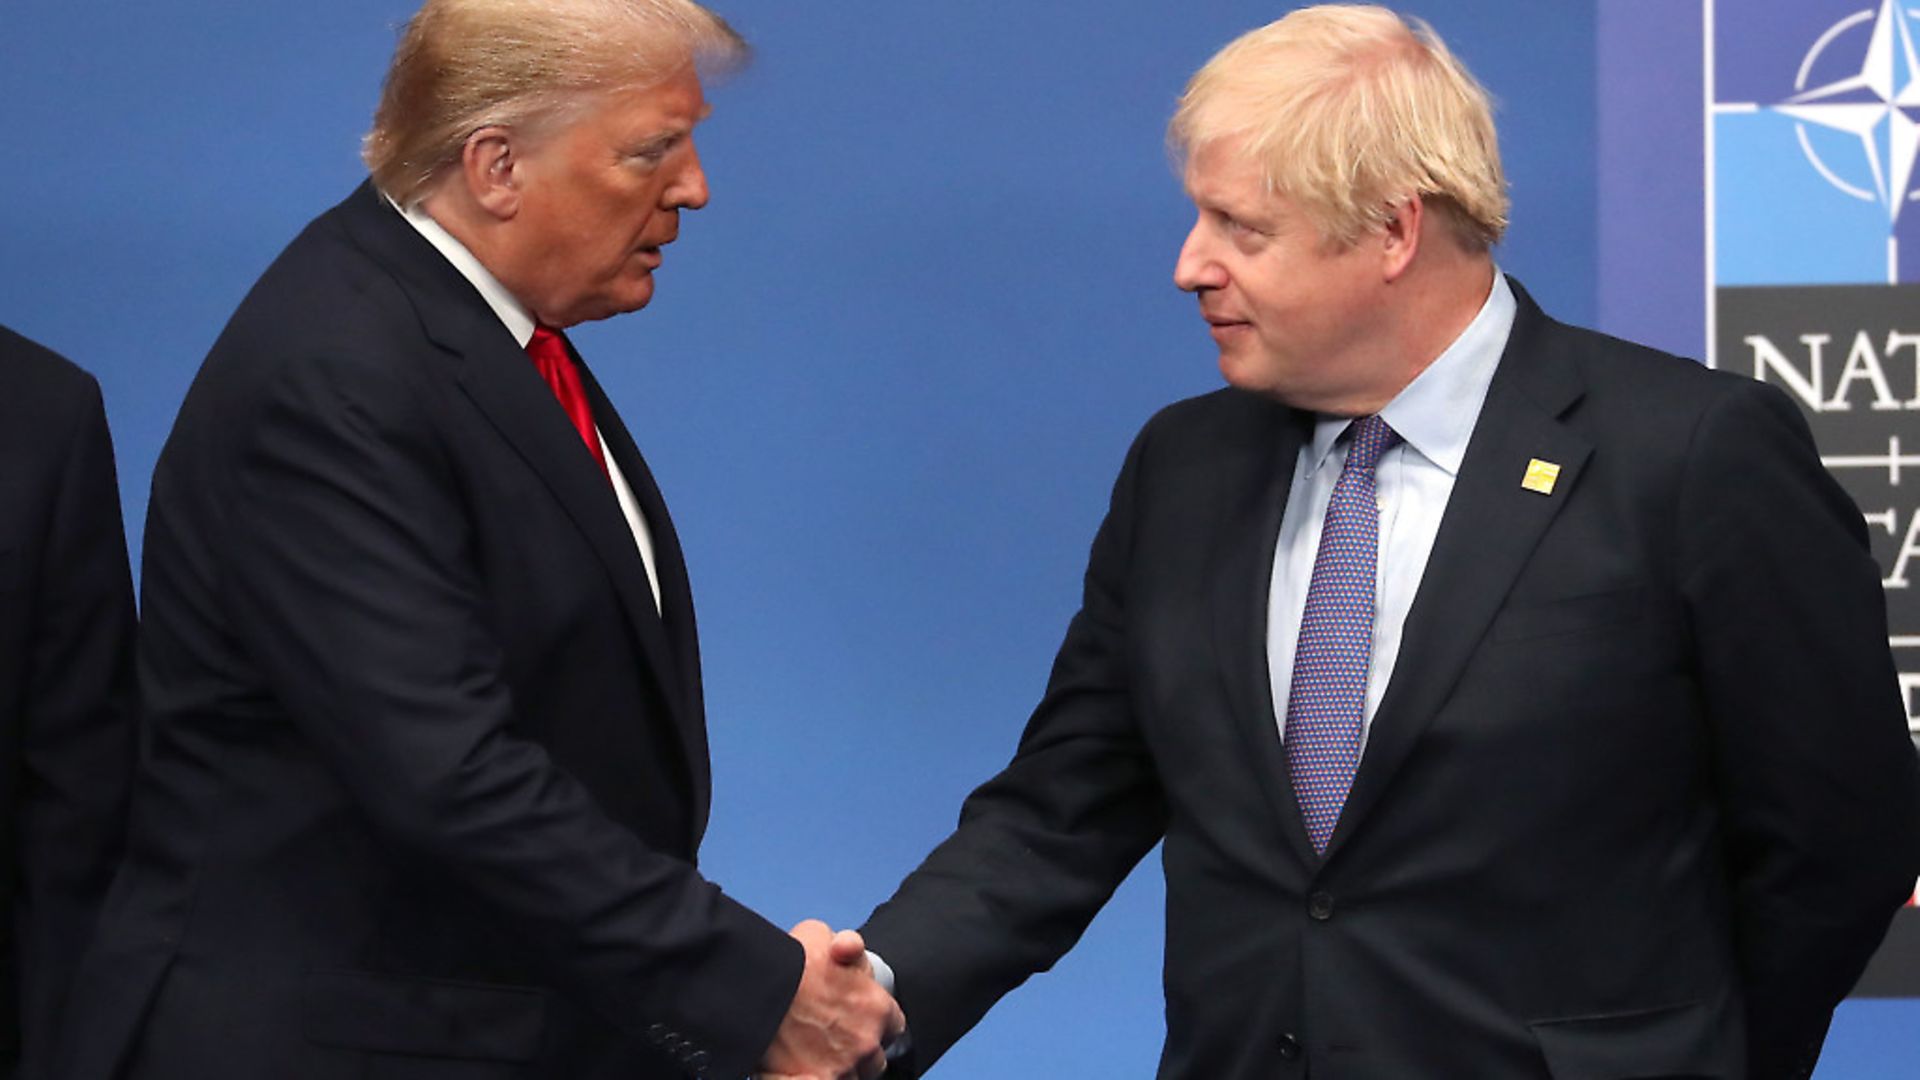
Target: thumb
(849, 948)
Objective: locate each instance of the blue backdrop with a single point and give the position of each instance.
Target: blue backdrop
(886, 380)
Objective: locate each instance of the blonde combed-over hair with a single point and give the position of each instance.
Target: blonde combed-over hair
(1351, 110)
(462, 65)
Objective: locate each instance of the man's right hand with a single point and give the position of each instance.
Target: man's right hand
(840, 1018)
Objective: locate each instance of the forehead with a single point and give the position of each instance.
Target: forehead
(673, 105)
(1222, 174)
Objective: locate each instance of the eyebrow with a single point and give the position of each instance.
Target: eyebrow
(674, 129)
(1213, 203)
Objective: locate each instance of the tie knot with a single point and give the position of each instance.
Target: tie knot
(1371, 438)
(547, 348)
(546, 342)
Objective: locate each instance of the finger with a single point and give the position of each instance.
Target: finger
(815, 935)
(848, 947)
(896, 1022)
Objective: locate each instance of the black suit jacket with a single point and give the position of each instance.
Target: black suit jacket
(66, 685)
(1638, 802)
(428, 771)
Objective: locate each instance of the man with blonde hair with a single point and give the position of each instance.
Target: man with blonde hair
(426, 767)
(1513, 702)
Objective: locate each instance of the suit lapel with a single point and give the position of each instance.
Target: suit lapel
(676, 592)
(1241, 576)
(496, 375)
(507, 388)
(1489, 530)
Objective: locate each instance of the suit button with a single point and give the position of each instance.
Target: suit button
(1320, 906)
(699, 1060)
(1289, 1047)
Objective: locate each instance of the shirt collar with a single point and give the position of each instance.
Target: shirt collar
(1435, 413)
(514, 314)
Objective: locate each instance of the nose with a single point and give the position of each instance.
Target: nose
(689, 188)
(1196, 268)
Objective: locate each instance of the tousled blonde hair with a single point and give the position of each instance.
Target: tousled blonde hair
(462, 65)
(1350, 110)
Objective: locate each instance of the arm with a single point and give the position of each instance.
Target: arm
(78, 731)
(1818, 781)
(352, 578)
(1041, 846)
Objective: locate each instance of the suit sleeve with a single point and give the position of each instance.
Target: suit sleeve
(353, 577)
(1819, 783)
(78, 731)
(1041, 846)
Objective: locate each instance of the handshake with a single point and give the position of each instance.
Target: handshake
(842, 1023)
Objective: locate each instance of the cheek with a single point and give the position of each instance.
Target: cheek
(1277, 306)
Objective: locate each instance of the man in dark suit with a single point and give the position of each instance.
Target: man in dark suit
(66, 686)
(1513, 702)
(428, 769)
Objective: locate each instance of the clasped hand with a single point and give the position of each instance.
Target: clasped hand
(841, 1020)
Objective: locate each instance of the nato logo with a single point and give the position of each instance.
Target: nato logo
(1815, 133)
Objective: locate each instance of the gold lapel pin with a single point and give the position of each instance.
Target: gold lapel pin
(1540, 476)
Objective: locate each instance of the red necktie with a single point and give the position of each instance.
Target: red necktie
(549, 352)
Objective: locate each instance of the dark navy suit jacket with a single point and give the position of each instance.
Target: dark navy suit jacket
(66, 686)
(428, 770)
(1639, 800)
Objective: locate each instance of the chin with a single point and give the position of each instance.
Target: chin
(1242, 376)
(635, 298)
(610, 306)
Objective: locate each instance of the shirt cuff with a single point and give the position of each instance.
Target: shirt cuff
(882, 973)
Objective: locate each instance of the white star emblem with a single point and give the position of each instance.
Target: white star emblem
(1889, 78)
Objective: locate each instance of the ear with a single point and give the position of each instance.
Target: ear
(1400, 237)
(489, 165)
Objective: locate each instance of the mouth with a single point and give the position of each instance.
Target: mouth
(649, 255)
(1222, 327)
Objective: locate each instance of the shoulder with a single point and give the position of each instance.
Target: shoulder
(1637, 388)
(331, 344)
(346, 303)
(1668, 431)
(1201, 451)
(1608, 362)
(328, 288)
(45, 391)
(37, 374)
(1222, 421)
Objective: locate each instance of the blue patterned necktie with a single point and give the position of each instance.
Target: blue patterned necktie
(1328, 694)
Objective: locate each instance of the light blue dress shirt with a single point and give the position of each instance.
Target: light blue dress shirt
(1434, 416)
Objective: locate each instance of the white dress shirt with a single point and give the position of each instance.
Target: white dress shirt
(1434, 417)
(519, 322)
